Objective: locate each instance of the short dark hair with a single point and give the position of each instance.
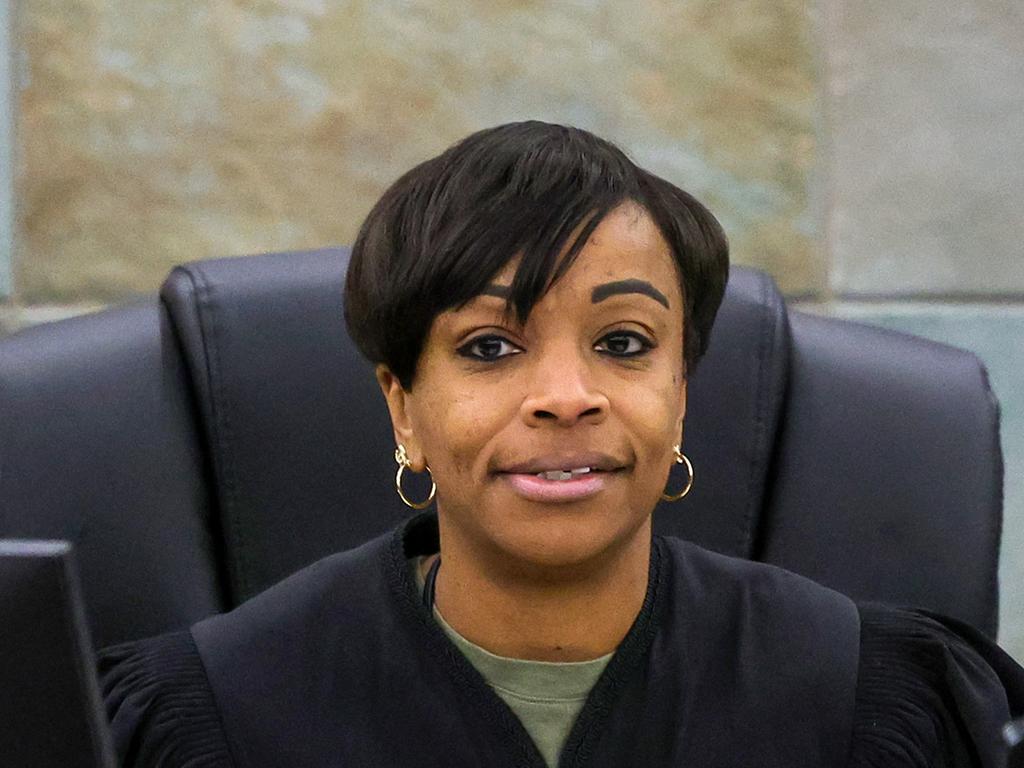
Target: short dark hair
(442, 232)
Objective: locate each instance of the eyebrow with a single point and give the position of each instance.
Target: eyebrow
(600, 292)
(607, 290)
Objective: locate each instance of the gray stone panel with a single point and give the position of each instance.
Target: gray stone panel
(6, 149)
(996, 335)
(926, 122)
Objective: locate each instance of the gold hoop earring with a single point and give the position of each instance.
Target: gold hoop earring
(680, 458)
(402, 459)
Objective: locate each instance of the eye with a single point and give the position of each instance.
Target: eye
(488, 348)
(624, 344)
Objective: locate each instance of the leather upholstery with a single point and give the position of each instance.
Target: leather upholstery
(262, 443)
(734, 402)
(301, 441)
(890, 454)
(99, 446)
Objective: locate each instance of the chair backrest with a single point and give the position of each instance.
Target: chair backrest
(100, 445)
(240, 431)
(890, 454)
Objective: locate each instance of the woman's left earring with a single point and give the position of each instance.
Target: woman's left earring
(680, 458)
(402, 459)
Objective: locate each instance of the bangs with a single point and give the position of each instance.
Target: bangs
(530, 191)
(539, 206)
(542, 261)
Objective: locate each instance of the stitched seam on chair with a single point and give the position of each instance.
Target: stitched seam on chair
(212, 523)
(759, 440)
(998, 479)
(221, 428)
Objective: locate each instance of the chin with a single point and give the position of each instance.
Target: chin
(566, 539)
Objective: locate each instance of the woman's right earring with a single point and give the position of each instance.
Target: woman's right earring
(680, 458)
(402, 459)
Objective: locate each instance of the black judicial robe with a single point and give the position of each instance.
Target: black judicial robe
(729, 663)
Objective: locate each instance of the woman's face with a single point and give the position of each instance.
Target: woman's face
(550, 443)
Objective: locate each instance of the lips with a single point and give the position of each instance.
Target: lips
(561, 477)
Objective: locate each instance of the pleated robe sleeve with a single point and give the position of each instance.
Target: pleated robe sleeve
(161, 709)
(932, 692)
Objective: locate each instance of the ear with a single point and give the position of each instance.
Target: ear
(397, 399)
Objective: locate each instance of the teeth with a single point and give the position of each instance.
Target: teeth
(556, 474)
(563, 474)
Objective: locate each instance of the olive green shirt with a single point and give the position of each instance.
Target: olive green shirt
(546, 696)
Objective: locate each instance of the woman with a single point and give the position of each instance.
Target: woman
(533, 302)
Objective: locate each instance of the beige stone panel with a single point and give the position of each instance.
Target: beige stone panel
(926, 105)
(153, 132)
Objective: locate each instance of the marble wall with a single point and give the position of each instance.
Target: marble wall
(156, 132)
(925, 108)
(6, 148)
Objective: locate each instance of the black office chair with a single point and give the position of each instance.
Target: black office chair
(199, 447)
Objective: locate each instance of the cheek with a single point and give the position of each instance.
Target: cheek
(455, 428)
(652, 416)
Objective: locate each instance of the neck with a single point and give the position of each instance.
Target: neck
(524, 611)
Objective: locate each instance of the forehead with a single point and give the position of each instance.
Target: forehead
(626, 245)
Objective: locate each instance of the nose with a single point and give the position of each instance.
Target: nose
(563, 393)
